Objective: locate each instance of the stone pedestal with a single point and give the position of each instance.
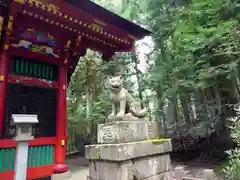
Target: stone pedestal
(127, 152)
(126, 131)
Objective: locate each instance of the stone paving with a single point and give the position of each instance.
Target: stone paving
(78, 167)
(79, 175)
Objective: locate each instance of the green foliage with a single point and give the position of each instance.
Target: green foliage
(232, 169)
(196, 48)
(196, 52)
(197, 45)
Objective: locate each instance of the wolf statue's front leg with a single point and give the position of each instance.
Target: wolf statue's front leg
(114, 111)
(122, 108)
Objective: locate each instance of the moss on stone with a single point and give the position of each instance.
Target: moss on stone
(98, 153)
(159, 141)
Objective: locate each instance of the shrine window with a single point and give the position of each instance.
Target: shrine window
(33, 68)
(31, 100)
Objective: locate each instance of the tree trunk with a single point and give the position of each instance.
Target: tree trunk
(206, 113)
(218, 100)
(185, 106)
(160, 114)
(237, 84)
(193, 108)
(140, 90)
(149, 109)
(88, 92)
(220, 109)
(175, 107)
(88, 103)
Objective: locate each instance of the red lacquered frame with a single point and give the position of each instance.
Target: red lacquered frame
(60, 149)
(35, 172)
(47, 170)
(32, 173)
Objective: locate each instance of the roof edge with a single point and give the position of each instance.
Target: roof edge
(110, 17)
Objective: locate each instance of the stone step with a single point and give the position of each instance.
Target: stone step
(126, 151)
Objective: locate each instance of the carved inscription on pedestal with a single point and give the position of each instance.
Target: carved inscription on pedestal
(121, 132)
(125, 133)
(107, 133)
(150, 130)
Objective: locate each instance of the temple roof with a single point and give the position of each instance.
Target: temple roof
(65, 29)
(109, 17)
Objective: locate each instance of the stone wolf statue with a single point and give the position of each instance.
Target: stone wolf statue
(121, 98)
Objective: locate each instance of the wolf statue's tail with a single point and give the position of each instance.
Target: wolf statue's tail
(138, 112)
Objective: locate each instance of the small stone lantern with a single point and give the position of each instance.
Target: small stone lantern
(23, 124)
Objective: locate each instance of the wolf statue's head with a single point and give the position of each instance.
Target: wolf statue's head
(115, 83)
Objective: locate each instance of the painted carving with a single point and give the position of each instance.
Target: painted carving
(121, 98)
(96, 27)
(49, 83)
(35, 48)
(46, 3)
(24, 79)
(32, 35)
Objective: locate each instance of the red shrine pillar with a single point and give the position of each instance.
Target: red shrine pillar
(61, 122)
(4, 61)
(15, 7)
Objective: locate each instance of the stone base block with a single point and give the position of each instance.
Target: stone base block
(106, 170)
(141, 168)
(151, 165)
(147, 168)
(62, 176)
(126, 131)
(127, 151)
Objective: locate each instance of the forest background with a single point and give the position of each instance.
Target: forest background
(186, 73)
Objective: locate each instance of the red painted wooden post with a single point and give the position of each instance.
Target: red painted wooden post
(3, 85)
(15, 7)
(61, 125)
